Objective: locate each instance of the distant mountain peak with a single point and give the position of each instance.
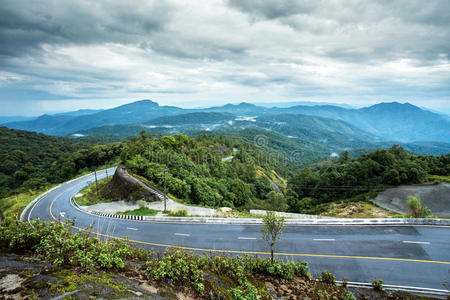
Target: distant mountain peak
(393, 106)
(144, 102)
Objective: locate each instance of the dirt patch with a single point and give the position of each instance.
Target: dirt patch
(357, 210)
(435, 196)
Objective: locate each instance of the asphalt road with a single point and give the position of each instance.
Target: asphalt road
(401, 255)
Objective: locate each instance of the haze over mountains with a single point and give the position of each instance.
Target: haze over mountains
(337, 128)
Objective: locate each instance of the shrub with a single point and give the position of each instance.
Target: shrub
(301, 269)
(178, 213)
(328, 277)
(179, 266)
(348, 296)
(377, 284)
(418, 210)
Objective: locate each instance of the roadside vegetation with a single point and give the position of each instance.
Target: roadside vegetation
(92, 194)
(83, 258)
(32, 161)
(359, 179)
(417, 208)
(141, 211)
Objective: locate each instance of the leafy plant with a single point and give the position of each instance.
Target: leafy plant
(418, 210)
(272, 229)
(377, 284)
(178, 213)
(328, 277)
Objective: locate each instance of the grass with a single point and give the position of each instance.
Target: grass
(13, 205)
(439, 179)
(90, 196)
(142, 211)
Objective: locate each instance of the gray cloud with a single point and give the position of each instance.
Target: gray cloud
(25, 25)
(222, 49)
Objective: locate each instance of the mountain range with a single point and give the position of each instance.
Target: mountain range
(335, 127)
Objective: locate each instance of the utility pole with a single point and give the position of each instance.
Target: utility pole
(106, 173)
(165, 193)
(96, 186)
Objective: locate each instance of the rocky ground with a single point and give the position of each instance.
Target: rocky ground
(22, 277)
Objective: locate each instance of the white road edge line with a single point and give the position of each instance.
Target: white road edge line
(414, 242)
(132, 228)
(246, 238)
(325, 240)
(183, 234)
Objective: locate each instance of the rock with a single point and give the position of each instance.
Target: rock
(136, 293)
(225, 210)
(123, 186)
(10, 283)
(151, 289)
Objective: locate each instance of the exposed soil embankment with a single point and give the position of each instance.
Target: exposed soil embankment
(435, 196)
(123, 186)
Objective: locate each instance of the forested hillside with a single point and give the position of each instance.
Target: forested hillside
(245, 170)
(30, 160)
(346, 177)
(197, 174)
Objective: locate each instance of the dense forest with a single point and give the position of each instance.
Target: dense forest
(346, 176)
(198, 174)
(30, 160)
(213, 170)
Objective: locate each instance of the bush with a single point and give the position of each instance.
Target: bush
(377, 284)
(418, 210)
(348, 296)
(57, 244)
(301, 269)
(328, 277)
(178, 213)
(179, 266)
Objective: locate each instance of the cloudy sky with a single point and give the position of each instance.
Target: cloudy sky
(64, 55)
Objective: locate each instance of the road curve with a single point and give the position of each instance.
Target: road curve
(416, 256)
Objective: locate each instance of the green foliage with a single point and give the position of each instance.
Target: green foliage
(272, 229)
(90, 195)
(418, 210)
(178, 213)
(328, 277)
(180, 267)
(57, 244)
(377, 284)
(142, 211)
(196, 173)
(30, 161)
(348, 296)
(347, 177)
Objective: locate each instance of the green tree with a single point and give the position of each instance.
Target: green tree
(277, 201)
(272, 229)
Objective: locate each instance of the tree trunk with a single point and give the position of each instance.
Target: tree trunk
(271, 255)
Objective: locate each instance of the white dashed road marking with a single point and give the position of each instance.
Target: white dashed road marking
(132, 228)
(414, 242)
(246, 238)
(325, 240)
(182, 234)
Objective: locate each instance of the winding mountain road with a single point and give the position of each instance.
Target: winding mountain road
(416, 256)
